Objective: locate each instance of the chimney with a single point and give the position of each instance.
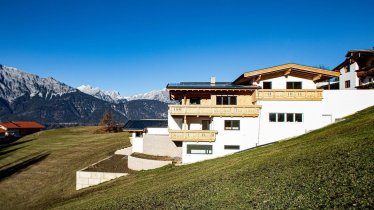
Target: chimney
(212, 80)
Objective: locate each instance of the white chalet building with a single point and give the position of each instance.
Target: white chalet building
(260, 107)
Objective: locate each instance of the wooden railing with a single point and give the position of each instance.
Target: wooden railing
(290, 95)
(218, 110)
(192, 135)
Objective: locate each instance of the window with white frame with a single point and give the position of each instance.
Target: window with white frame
(199, 149)
(232, 124)
(286, 117)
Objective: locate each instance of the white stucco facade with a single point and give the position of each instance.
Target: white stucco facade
(348, 73)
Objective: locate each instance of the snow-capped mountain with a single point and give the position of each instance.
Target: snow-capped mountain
(111, 96)
(25, 96)
(159, 95)
(15, 83)
(115, 96)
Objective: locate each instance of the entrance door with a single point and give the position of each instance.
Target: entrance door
(206, 124)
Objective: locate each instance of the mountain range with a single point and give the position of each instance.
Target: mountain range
(25, 96)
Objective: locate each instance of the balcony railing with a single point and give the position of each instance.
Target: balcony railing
(216, 110)
(192, 135)
(290, 95)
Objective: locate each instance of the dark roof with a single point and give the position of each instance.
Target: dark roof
(22, 124)
(208, 85)
(141, 124)
(359, 51)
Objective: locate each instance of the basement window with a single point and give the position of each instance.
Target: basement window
(199, 149)
(232, 147)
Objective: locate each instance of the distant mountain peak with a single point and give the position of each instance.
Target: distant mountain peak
(114, 96)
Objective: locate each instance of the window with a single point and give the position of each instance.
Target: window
(205, 125)
(347, 84)
(290, 117)
(298, 117)
(266, 85)
(349, 68)
(199, 149)
(232, 147)
(285, 117)
(272, 117)
(226, 100)
(232, 124)
(138, 134)
(280, 117)
(294, 85)
(195, 100)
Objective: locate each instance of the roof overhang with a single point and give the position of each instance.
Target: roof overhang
(296, 70)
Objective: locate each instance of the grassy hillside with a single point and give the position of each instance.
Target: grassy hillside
(39, 170)
(328, 168)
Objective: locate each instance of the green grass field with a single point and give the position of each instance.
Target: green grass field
(329, 168)
(38, 171)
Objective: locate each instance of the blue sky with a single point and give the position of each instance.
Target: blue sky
(137, 46)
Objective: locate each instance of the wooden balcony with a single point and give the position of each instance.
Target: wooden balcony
(290, 95)
(215, 110)
(192, 135)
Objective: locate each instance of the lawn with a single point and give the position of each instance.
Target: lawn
(38, 171)
(330, 168)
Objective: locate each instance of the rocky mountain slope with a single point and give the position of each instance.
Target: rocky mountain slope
(25, 96)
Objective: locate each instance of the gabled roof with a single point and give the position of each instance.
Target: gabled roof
(22, 125)
(207, 85)
(139, 125)
(290, 69)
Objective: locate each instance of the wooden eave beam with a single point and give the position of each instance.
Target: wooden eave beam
(287, 72)
(317, 77)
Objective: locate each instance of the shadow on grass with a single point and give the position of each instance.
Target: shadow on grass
(4, 145)
(4, 173)
(9, 151)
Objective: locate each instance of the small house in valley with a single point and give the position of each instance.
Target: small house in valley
(20, 128)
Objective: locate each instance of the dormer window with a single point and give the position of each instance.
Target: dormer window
(266, 85)
(294, 85)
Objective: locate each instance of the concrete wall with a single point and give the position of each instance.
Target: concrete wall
(281, 82)
(160, 145)
(87, 178)
(139, 164)
(137, 144)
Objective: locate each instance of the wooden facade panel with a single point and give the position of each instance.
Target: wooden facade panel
(215, 110)
(290, 95)
(192, 135)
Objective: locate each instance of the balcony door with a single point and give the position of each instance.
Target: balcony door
(206, 125)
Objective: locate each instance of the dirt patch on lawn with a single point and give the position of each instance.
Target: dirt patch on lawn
(151, 157)
(114, 164)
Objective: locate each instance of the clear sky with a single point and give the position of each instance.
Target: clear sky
(137, 46)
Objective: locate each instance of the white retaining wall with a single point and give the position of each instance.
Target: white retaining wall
(87, 178)
(340, 103)
(139, 164)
